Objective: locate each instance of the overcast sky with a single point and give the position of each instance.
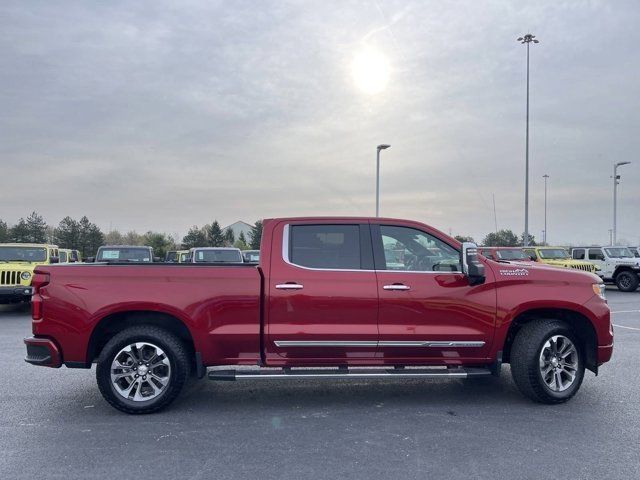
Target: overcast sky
(161, 115)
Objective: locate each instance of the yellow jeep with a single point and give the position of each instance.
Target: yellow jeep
(17, 262)
(182, 256)
(558, 257)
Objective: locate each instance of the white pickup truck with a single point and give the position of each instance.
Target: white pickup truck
(617, 265)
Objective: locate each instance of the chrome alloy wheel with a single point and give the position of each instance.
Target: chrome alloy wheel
(559, 363)
(140, 371)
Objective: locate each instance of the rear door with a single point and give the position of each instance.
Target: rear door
(428, 311)
(322, 293)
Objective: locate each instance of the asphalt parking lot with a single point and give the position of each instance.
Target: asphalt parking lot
(55, 424)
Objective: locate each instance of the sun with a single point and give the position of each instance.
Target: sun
(370, 70)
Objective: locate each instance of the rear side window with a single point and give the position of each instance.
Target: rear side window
(325, 246)
(578, 254)
(595, 254)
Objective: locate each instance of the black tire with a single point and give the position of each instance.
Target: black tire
(525, 361)
(627, 281)
(178, 371)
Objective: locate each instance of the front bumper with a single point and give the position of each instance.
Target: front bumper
(15, 293)
(42, 352)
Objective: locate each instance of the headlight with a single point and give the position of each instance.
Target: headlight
(599, 289)
(25, 275)
(597, 268)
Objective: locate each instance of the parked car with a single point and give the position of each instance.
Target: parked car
(182, 256)
(322, 296)
(616, 265)
(251, 256)
(125, 253)
(558, 257)
(171, 256)
(505, 254)
(17, 263)
(215, 255)
(67, 255)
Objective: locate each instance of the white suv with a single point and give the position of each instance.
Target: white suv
(617, 265)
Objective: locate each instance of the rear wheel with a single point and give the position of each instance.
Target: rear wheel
(142, 369)
(627, 281)
(547, 362)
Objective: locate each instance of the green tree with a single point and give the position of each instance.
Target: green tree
(532, 240)
(160, 242)
(195, 237)
(31, 230)
(463, 239)
(133, 238)
(114, 237)
(241, 242)
(4, 232)
(229, 238)
(501, 238)
(90, 238)
(256, 235)
(67, 235)
(214, 235)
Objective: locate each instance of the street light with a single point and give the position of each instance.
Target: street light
(527, 39)
(380, 147)
(544, 238)
(616, 181)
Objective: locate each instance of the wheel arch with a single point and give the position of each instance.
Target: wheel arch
(111, 324)
(579, 323)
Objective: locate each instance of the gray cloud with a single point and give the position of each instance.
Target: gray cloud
(163, 115)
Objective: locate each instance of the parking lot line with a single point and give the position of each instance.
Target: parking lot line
(628, 328)
(627, 311)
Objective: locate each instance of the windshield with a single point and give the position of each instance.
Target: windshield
(23, 254)
(511, 255)
(553, 253)
(619, 252)
(224, 256)
(63, 257)
(120, 254)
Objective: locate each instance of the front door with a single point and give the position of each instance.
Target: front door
(428, 312)
(323, 299)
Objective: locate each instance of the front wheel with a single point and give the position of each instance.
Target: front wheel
(547, 362)
(627, 281)
(142, 369)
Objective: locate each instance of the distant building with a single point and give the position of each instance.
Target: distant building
(238, 227)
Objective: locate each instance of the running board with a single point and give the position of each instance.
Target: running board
(287, 373)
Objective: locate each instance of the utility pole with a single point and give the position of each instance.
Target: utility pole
(544, 238)
(527, 39)
(379, 147)
(616, 181)
(495, 217)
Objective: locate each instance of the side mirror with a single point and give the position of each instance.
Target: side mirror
(472, 267)
(54, 259)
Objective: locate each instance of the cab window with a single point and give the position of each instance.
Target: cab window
(335, 247)
(578, 254)
(595, 254)
(532, 255)
(408, 249)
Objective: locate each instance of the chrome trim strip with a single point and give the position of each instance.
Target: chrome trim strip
(324, 343)
(392, 343)
(432, 344)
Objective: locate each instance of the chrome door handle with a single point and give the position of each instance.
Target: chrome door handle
(397, 286)
(289, 286)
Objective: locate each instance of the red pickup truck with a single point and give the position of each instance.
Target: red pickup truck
(330, 298)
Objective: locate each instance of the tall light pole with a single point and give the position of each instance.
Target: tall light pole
(380, 147)
(544, 238)
(527, 39)
(616, 181)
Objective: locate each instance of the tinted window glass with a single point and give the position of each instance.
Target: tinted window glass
(413, 250)
(124, 254)
(215, 256)
(578, 254)
(595, 254)
(325, 246)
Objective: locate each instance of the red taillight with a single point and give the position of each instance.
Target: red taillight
(39, 280)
